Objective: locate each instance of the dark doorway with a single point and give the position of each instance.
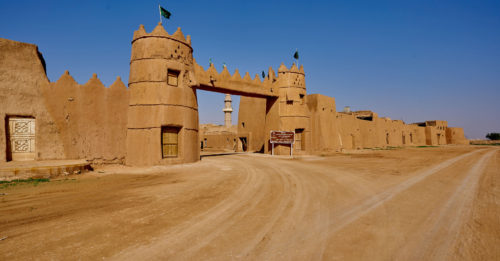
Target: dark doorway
(243, 143)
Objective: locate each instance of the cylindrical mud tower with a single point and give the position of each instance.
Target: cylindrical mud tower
(163, 110)
(293, 111)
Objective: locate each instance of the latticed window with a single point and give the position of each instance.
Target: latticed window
(169, 141)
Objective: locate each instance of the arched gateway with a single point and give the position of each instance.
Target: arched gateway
(163, 108)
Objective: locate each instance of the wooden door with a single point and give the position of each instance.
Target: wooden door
(170, 141)
(299, 139)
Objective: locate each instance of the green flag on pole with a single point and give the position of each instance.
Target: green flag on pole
(296, 55)
(165, 13)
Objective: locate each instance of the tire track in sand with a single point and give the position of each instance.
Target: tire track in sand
(282, 220)
(334, 219)
(183, 241)
(344, 217)
(174, 239)
(244, 210)
(452, 215)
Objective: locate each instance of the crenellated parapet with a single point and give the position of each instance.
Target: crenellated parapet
(292, 87)
(160, 32)
(224, 82)
(67, 81)
(160, 47)
(211, 80)
(293, 77)
(91, 117)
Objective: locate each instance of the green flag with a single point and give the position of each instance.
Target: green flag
(296, 55)
(165, 13)
(263, 75)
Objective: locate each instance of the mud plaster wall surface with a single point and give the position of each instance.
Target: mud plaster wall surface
(92, 118)
(22, 75)
(378, 132)
(227, 141)
(323, 112)
(456, 136)
(331, 130)
(334, 131)
(72, 121)
(252, 114)
(218, 136)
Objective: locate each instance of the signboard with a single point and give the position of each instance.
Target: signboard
(282, 137)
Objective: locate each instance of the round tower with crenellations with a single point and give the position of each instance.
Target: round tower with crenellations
(293, 111)
(163, 110)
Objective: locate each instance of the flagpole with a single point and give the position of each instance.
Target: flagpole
(159, 10)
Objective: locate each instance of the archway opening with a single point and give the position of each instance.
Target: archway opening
(218, 123)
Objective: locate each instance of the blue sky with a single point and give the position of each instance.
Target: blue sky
(409, 60)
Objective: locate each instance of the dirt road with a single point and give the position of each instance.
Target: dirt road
(405, 204)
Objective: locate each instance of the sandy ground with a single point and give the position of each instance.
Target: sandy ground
(404, 204)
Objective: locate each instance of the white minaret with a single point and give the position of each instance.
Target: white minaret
(227, 111)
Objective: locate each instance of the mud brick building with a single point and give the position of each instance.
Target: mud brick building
(155, 120)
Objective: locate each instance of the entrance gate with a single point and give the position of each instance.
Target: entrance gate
(163, 81)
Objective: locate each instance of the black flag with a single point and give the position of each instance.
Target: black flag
(165, 13)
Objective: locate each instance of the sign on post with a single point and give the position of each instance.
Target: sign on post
(282, 137)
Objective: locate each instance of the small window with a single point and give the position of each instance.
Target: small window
(243, 124)
(172, 77)
(169, 141)
(302, 100)
(289, 102)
